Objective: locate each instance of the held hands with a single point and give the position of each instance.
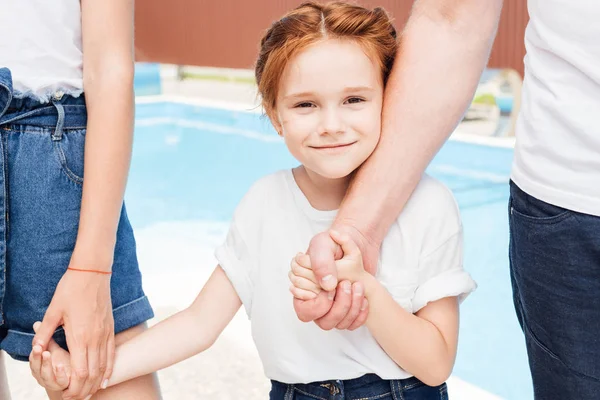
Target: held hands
(52, 368)
(82, 304)
(344, 307)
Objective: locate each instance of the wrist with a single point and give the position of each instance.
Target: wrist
(88, 258)
(364, 238)
(369, 248)
(370, 284)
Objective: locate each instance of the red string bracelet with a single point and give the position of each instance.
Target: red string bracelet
(91, 270)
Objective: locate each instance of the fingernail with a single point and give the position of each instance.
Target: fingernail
(37, 348)
(347, 287)
(105, 384)
(365, 303)
(328, 282)
(330, 295)
(89, 397)
(358, 290)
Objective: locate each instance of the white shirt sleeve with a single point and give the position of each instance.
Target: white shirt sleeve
(238, 254)
(441, 274)
(440, 259)
(235, 259)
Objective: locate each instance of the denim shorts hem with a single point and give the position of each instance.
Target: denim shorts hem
(17, 344)
(132, 314)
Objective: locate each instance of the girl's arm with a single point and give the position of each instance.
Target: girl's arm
(423, 344)
(182, 335)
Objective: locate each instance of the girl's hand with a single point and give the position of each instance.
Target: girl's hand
(350, 266)
(82, 304)
(304, 283)
(52, 368)
(348, 314)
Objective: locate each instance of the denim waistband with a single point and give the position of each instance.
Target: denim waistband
(62, 112)
(373, 383)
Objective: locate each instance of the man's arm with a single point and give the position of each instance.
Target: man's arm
(443, 51)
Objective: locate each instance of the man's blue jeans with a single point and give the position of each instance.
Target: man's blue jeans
(555, 274)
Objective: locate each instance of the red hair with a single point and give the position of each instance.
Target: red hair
(312, 22)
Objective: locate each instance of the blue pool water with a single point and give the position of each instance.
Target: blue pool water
(194, 163)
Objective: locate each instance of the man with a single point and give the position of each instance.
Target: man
(555, 200)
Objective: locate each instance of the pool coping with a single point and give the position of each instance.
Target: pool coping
(457, 135)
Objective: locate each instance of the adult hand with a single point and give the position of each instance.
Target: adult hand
(344, 309)
(82, 305)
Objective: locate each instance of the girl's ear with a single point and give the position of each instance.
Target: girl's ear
(276, 123)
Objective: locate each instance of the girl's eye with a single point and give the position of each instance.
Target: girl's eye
(355, 100)
(304, 105)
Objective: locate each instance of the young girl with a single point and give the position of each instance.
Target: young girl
(66, 99)
(321, 73)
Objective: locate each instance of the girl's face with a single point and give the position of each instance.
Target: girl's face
(328, 107)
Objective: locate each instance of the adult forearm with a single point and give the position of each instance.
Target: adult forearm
(108, 146)
(443, 50)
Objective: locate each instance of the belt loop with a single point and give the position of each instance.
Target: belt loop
(397, 390)
(289, 393)
(58, 131)
(6, 90)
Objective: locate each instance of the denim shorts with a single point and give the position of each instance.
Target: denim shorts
(555, 274)
(367, 387)
(41, 178)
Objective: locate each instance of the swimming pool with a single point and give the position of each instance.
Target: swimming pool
(192, 164)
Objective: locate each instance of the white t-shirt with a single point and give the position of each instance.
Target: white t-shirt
(421, 261)
(41, 45)
(557, 154)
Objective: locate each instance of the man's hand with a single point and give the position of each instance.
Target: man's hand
(323, 251)
(82, 304)
(341, 313)
(349, 311)
(351, 270)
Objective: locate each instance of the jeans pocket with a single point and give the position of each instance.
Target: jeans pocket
(70, 152)
(535, 340)
(533, 210)
(421, 391)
